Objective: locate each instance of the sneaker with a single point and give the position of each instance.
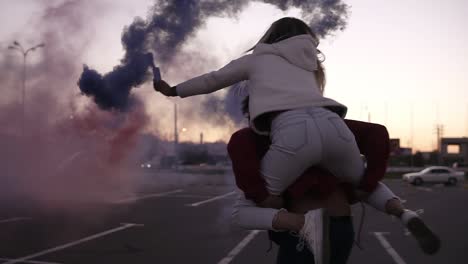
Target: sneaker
(428, 241)
(311, 234)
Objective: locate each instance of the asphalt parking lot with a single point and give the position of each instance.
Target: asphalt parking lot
(189, 222)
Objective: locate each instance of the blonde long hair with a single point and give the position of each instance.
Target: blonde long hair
(287, 27)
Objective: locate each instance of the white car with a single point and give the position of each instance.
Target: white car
(435, 174)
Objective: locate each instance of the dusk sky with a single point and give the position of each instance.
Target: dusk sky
(399, 63)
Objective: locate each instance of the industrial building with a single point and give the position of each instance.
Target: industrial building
(454, 151)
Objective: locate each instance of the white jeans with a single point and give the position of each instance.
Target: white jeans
(306, 137)
(248, 215)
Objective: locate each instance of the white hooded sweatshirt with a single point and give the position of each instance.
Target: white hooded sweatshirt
(281, 77)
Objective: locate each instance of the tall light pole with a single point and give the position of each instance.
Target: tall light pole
(439, 132)
(176, 138)
(17, 46)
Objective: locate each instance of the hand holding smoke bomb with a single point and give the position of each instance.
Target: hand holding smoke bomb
(164, 88)
(160, 85)
(156, 74)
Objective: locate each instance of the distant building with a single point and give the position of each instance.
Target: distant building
(397, 150)
(394, 146)
(405, 151)
(400, 156)
(454, 151)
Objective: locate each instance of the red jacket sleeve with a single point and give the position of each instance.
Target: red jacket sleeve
(374, 143)
(245, 150)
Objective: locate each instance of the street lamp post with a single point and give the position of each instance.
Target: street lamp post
(176, 139)
(17, 46)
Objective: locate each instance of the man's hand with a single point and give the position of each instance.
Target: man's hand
(164, 88)
(272, 201)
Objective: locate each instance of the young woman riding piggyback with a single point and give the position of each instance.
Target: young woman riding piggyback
(286, 81)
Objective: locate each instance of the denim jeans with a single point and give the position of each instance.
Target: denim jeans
(341, 242)
(305, 137)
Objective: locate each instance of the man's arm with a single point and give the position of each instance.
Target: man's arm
(374, 143)
(242, 149)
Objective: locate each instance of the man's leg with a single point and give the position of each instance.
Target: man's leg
(340, 242)
(341, 239)
(288, 253)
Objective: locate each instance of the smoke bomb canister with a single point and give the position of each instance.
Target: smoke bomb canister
(156, 74)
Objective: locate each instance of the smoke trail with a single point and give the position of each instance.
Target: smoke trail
(72, 153)
(170, 25)
(221, 109)
(323, 16)
(112, 90)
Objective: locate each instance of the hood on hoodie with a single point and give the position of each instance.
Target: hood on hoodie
(299, 50)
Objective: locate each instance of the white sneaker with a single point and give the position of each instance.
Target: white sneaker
(312, 234)
(428, 241)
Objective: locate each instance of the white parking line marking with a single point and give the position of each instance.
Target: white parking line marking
(32, 261)
(386, 245)
(68, 160)
(14, 219)
(153, 195)
(71, 244)
(237, 249)
(424, 189)
(190, 196)
(212, 199)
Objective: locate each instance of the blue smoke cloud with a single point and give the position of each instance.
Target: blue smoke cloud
(112, 90)
(170, 24)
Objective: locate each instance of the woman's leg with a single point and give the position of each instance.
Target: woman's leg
(295, 146)
(343, 159)
(285, 220)
(341, 154)
(248, 215)
(308, 226)
(394, 207)
(384, 200)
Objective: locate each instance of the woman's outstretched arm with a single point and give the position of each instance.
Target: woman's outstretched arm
(234, 72)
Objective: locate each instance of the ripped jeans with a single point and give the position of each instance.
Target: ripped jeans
(305, 137)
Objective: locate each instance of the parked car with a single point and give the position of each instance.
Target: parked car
(435, 174)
